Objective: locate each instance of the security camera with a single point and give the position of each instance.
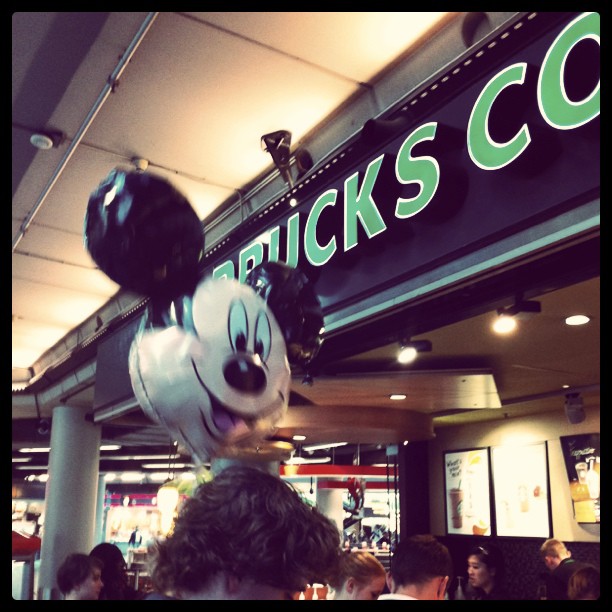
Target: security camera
(574, 410)
(43, 427)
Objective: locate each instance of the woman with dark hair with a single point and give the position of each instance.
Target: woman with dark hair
(114, 573)
(485, 570)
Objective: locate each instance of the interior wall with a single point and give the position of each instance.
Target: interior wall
(529, 430)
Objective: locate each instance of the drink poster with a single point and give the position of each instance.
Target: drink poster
(468, 498)
(582, 461)
(520, 488)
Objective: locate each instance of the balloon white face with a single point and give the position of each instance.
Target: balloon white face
(223, 385)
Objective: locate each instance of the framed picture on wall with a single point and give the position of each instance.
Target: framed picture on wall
(521, 490)
(582, 461)
(467, 492)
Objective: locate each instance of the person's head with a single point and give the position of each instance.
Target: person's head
(553, 552)
(584, 583)
(80, 577)
(485, 567)
(114, 570)
(420, 566)
(360, 576)
(246, 534)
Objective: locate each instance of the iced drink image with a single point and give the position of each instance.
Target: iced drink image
(581, 471)
(456, 504)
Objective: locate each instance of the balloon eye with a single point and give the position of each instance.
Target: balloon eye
(238, 326)
(263, 336)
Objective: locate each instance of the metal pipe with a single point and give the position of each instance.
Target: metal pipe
(106, 91)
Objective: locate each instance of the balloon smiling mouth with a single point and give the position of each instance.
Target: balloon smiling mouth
(221, 422)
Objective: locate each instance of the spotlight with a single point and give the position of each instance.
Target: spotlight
(409, 349)
(521, 310)
(574, 410)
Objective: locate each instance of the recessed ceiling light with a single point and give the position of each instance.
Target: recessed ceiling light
(298, 438)
(397, 396)
(577, 320)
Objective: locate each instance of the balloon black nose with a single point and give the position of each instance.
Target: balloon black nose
(244, 375)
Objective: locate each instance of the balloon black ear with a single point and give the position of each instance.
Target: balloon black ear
(144, 234)
(292, 299)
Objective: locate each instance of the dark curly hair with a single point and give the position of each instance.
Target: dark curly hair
(251, 524)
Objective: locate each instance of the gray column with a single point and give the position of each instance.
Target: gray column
(100, 524)
(70, 500)
(329, 502)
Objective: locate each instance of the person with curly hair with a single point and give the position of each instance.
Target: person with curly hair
(80, 577)
(246, 534)
(360, 576)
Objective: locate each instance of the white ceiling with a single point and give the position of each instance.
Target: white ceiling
(194, 95)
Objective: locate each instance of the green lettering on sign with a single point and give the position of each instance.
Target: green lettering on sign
(555, 106)
(424, 171)
(484, 151)
(360, 204)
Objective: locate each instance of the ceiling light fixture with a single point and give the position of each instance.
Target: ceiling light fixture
(304, 460)
(313, 447)
(521, 310)
(397, 396)
(47, 140)
(577, 320)
(409, 349)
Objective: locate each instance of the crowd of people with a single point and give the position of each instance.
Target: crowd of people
(247, 534)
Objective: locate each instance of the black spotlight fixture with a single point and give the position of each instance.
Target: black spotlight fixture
(521, 310)
(409, 350)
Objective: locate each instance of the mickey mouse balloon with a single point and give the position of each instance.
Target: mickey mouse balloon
(221, 380)
(291, 296)
(144, 234)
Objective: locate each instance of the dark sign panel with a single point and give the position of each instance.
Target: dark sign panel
(508, 137)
